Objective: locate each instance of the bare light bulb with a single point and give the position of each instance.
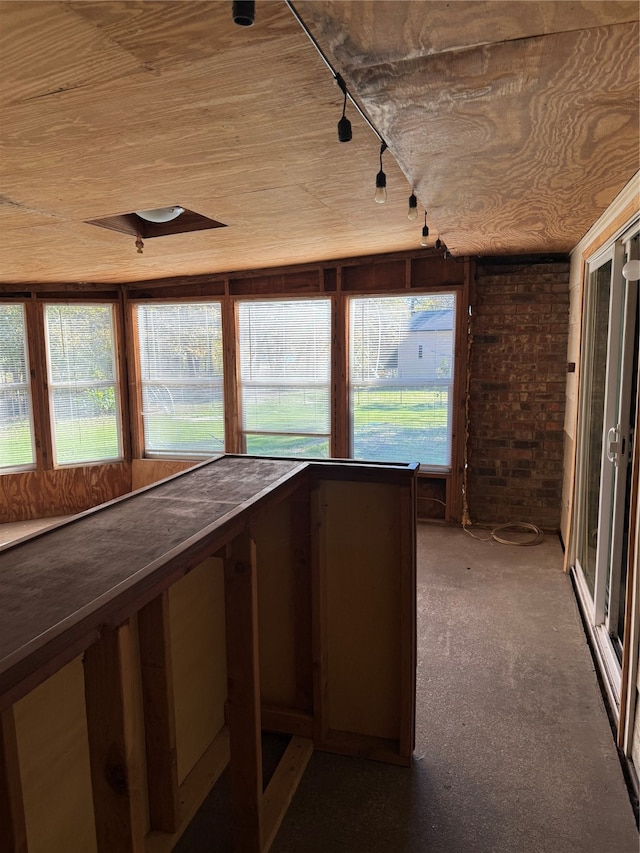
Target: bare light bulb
(381, 187)
(413, 208)
(344, 130)
(424, 240)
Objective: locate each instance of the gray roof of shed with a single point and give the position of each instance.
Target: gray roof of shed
(440, 320)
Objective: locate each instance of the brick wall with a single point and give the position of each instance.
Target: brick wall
(518, 364)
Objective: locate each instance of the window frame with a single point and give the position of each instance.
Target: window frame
(139, 425)
(458, 294)
(118, 382)
(27, 386)
(329, 384)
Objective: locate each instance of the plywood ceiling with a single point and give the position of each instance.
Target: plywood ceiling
(517, 123)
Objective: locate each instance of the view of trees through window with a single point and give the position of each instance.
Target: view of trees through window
(180, 350)
(401, 378)
(285, 375)
(82, 382)
(16, 424)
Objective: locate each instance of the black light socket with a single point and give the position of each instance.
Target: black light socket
(344, 130)
(244, 12)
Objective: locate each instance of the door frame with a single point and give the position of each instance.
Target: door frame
(612, 494)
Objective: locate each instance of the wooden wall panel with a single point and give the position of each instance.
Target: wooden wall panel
(147, 471)
(433, 270)
(374, 277)
(362, 569)
(303, 281)
(51, 730)
(198, 651)
(63, 491)
(432, 497)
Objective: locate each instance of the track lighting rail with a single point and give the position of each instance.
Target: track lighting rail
(337, 77)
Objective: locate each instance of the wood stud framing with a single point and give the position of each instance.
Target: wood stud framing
(40, 397)
(159, 714)
(115, 773)
(399, 273)
(140, 647)
(13, 833)
(131, 739)
(243, 675)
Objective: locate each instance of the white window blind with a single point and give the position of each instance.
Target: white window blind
(285, 370)
(180, 347)
(16, 419)
(83, 388)
(401, 378)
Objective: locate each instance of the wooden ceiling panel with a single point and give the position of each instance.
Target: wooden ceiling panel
(36, 38)
(163, 35)
(366, 32)
(508, 144)
(516, 122)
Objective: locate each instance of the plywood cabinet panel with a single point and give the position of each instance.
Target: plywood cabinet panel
(63, 491)
(147, 471)
(247, 593)
(276, 606)
(363, 581)
(53, 748)
(196, 607)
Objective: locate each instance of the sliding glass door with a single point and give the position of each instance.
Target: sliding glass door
(608, 390)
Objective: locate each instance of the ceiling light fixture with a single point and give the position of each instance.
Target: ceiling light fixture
(160, 214)
(244, 12)
(381, 179)
(333, 71)
(413, 207)
(438, 243)
(424, 241)
(344, 125)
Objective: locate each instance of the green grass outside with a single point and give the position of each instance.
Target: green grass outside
(15, 445)
(87, 440)
(389, 424)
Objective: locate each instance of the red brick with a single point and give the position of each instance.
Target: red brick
(517, 393)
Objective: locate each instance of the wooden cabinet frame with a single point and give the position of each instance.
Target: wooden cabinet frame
(312, 593)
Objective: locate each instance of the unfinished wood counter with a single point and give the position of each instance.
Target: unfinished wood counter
(147, 643)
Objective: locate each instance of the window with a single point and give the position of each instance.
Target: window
(84, 399)
(401, 378)
(285, 370)
(16, 419)
(180, 348)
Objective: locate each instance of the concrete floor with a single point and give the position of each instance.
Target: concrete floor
(514, 753)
